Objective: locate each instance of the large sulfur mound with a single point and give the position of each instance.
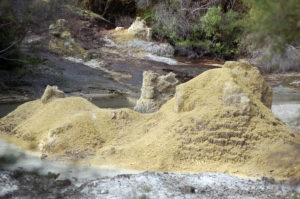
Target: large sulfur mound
(219, 121)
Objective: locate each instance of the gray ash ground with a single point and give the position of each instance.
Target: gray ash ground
(24, 175)
(20, 184)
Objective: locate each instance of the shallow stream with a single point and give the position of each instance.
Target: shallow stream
(286, 105)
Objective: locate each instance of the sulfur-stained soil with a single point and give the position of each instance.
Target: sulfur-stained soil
(219, 121)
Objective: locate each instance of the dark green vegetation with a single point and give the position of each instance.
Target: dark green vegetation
(220, 28)
(12, 32)
(216, 28)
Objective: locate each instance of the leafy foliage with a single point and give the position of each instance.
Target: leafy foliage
(186, 23)
(222, 31)
(277, 21)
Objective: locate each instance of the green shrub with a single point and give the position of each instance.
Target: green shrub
(222, 31)
(186, 23)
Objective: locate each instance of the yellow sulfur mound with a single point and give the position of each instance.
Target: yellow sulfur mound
(219, 121)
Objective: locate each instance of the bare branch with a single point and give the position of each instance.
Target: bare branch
(18, 60)
(5, 24)
(9, 47)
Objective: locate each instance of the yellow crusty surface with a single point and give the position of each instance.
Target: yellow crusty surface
(217, 122)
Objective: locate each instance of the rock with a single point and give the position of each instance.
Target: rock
(119, 114)
(62, 42)
(156, 90)
(138, 37)
(268, 180)
(51, 91)
(160, 49)
(140, 29)
(188, 189)
(245, 70)
(295, 83)
(104, 192)
(233, 94)
(44, 156)
(119, 28)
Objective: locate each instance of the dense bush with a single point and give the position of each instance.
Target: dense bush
(177, 20)
(222, 31)
(192, 23)
(110, 9)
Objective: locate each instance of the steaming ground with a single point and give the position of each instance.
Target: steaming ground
(13, 158)
(24, 175)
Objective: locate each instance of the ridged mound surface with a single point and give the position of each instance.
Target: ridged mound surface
(219, 121)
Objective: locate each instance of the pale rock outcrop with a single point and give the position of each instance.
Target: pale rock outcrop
(252, 78)
(156, 90)
(140, 29)
(295, 83)
(50, 92)
(119, 28)
(62, 42)
(233, 94)
(160, 49)
(119, 114)
(139, 37)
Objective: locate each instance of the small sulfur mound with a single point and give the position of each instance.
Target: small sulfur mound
(219, 121)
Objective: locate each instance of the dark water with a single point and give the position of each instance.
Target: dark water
(116, 101)
(7, 108)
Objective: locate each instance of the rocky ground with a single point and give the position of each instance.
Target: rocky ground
(109, 68)
(23, 175)
(20, 184)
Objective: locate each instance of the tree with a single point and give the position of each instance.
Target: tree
(12, 32)
(276, 22)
